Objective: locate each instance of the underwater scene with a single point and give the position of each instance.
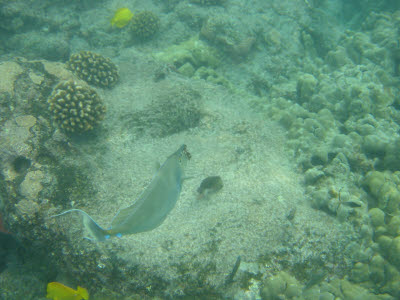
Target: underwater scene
(200, 149)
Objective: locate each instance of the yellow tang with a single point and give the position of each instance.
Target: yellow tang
(121, 17)
(58, 291)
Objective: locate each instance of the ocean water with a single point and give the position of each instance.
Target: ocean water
(293, 104)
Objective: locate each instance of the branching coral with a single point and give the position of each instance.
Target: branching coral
(144, 24)
(76, 107)
(94, 68)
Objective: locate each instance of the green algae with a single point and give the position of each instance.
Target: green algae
(192, 58)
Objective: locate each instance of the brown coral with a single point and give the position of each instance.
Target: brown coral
(94, 68)
(76, 107)
(144, 24)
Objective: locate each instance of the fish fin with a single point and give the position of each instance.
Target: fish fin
(157, 166)
(96, 231)
(187, 178)
(83, 292)
(123, 215)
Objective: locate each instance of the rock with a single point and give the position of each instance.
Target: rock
(393, 228)
(353, 291)
(27, 209)
(377, 269)
(320, 199)
(360, 272)
(306, 86)
(312, 175)
(380, 230)
(374, 181)
(394, 252)
(384, 244)
(187, 70)
(326, 296)
(337, 58)
(36, 79)
(59, 70)
(374, 145)
(281, 286)
(31, 186)
(393, 201)
(9, 71)
(15, 138)
(377, 217)
(26, 121)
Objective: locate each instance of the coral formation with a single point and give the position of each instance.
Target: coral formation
(285, 286)
(192, 53)
(176, 110)
(76, 107)
(144, 25)
(281, 286)
(383, 188)
(357, 118)
(228, 35)
(193, 58)
(306, 86)
(94, 68)
(335, 89)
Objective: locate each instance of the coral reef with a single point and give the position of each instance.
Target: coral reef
(211, 75)
(193, 58)
(94, 68)
(76, 107)
(227, 34)
(306, 86)
(144, 25)
(332, 85)
(194, 53)
(285, 286)
(343, 130)
(37, 174)
(281, 286)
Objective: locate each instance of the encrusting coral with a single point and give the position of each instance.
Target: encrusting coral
(76, 107)
(144, 24)
(94, 68)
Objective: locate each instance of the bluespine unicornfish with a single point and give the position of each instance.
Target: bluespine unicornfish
(152, 207)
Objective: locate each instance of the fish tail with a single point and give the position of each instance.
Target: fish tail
(96, 232)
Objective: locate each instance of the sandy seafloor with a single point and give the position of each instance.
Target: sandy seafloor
(301, 124)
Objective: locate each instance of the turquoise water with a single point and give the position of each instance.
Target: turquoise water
(293, 104)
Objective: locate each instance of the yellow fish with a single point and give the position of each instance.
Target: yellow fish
(121, 17)
(58, 291)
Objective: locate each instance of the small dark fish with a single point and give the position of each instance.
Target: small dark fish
(291, 214)
(352, 204)
(232, 274)
(210, 185)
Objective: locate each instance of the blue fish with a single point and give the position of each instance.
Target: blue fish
(152, 207)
